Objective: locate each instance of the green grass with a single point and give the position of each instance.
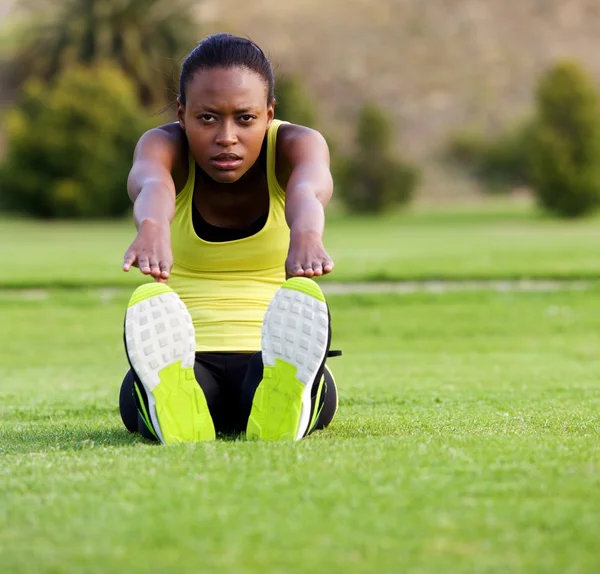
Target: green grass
(501, 241)
(466, 441)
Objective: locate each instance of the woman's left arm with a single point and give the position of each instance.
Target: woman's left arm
(308, 191)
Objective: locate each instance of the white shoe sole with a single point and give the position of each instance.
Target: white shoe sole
(161, 345)
(295, 341)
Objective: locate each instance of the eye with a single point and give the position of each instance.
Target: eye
(207, 118)
(247, 118)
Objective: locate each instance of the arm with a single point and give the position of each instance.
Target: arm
(151, 188)
(308, 191)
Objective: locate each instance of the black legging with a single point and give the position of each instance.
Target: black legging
(229, 381)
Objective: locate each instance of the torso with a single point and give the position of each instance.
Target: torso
(229, 256)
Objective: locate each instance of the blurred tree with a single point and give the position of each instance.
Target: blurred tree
(70, 145)
(564, 147)
(145, 38)
(499, 163)
(374, 179)
(294, 103)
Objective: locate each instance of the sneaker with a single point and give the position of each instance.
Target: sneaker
(296, 335)
(161, 347)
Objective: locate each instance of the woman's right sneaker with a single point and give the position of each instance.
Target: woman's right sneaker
(160, 344)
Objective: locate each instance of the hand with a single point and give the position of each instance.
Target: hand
(151, 251)
(307, 256)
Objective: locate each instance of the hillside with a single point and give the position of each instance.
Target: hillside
(437, 65)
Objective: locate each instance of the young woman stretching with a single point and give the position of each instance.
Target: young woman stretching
(228, 202)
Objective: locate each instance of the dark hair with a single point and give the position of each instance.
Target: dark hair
(227, 51)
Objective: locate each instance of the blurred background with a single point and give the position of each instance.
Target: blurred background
(426, 105)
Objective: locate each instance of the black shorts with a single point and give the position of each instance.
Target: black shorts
(229, 381)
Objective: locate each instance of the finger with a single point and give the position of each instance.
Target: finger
(317, 269)
(154, 268)
(294, 270)
(308, 271)
(164, 270)
(161, 280)
(129, 260)
(327, 266)
(144, 265)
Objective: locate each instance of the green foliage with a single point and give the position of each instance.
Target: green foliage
(499, 163)
(374, 179)
(294, 103)
(145, 38)
(70, 145)
(564, 151)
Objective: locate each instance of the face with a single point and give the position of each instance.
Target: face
(225, 119)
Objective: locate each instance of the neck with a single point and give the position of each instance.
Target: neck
(225, 193)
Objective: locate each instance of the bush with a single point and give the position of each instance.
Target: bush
(144, 38)
(294, 104)
(499, 163)
(374, 180)
(70, 146)
(564, 149)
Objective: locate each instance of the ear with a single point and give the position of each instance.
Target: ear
(270, 113)
(181, 114)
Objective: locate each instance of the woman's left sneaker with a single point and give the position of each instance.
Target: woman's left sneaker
(296, 335)
(161, 347)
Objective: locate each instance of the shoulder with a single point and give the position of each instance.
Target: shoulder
(295, 145)
(169, 137)
(167, 144)
(291, 136)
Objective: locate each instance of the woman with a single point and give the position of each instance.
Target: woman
(227, 203)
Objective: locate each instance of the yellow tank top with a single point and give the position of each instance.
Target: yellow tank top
(227, 286)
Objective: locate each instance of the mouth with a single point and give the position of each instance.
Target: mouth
(226, 161)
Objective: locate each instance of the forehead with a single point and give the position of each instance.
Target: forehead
(226, 87)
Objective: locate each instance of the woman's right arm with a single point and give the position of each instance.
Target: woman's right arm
(151, 188)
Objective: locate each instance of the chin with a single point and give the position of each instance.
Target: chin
(226, 176)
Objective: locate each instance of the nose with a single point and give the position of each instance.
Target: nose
(226, 136)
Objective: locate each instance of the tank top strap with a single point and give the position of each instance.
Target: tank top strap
(274, 187)
(188, 189)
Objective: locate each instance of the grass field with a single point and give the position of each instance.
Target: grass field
(505, 241)
(466, 440)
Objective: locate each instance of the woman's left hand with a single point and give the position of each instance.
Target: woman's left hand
(307, 256)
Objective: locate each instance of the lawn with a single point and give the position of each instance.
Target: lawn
(501, 241)
(466, 441)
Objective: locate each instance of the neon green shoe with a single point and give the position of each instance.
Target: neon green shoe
(296, 335)
(160, 344)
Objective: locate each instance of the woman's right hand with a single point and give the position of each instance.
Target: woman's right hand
(151, 251)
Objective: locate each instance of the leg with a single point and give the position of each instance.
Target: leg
(296, 336)
(210, 372)
(253, 377)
